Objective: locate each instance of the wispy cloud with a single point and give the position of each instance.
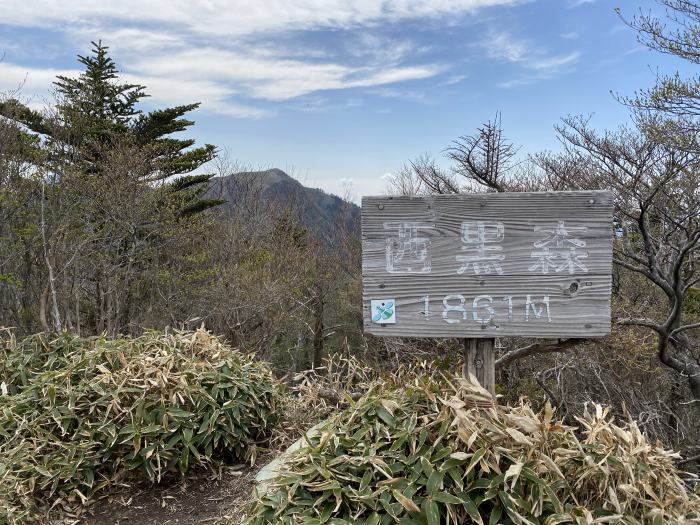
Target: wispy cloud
(503, 45)
(455, 79)
(382, 50)
(570, 35)
(402, 94)
(235, 56)
(553, 63)
(216, 97)
(274, 79)
(523, 52)
(234, 17)
(536, 63)
(33, 85)
(577, 3)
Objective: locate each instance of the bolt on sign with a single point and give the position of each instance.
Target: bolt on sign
(488, 265)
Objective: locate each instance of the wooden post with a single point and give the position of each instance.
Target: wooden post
(479, 360)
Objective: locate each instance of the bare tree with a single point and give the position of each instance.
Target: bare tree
(657, 211)
(484, 160)
(20, 245)
(674, 34)
(485, 157)
(671, 108)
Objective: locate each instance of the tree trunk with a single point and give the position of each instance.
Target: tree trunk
(684, 367)
(67, 287)
(55, 313)
(99, 304)
(43, 303)
(77, 311)
(318, 335)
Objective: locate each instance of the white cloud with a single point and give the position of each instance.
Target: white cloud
(401, 94)
(372, 48)
(517, 82)
(127, 40)
(537, 64)
(553, 62)
(234, 17)
(504, 46)
(273, 79)
(577, 3)
(215, 97)
(33, 86)
(13, 77)
(571, 35)
(455, 79)
(216, 77)
(228, 54)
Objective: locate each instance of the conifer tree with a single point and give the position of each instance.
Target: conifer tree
(116, 198)
(96, 111)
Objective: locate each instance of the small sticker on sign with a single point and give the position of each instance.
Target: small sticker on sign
(383, 311)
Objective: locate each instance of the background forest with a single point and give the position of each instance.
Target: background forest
(112, 222)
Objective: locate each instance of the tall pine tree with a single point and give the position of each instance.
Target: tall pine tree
(97, 111)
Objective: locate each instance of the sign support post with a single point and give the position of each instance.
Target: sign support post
(479, 361)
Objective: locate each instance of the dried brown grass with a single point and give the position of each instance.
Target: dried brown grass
(416, 452)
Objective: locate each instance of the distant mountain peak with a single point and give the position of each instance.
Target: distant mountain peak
(320, 212)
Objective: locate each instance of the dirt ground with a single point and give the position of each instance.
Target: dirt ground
(197, 499)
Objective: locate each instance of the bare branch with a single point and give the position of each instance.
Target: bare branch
(540, 347)
(484, 157)
(647, 323)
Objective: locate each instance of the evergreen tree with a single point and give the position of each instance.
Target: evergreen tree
(115, 204)
(96, 111)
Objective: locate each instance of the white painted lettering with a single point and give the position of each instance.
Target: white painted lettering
(537, 312)
(453, 308)
(490, 309)
(408, 252)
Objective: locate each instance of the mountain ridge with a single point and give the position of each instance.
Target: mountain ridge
(322, 213)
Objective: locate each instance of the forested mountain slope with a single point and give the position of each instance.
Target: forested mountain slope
(323, 214)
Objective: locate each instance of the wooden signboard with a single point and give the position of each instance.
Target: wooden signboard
(488, 265)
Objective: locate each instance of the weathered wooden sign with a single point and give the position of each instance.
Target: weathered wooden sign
(488, 265)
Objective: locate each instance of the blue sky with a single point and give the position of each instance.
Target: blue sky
(339, 92)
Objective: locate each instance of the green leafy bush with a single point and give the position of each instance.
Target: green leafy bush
(75, 413)
(439, 451)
